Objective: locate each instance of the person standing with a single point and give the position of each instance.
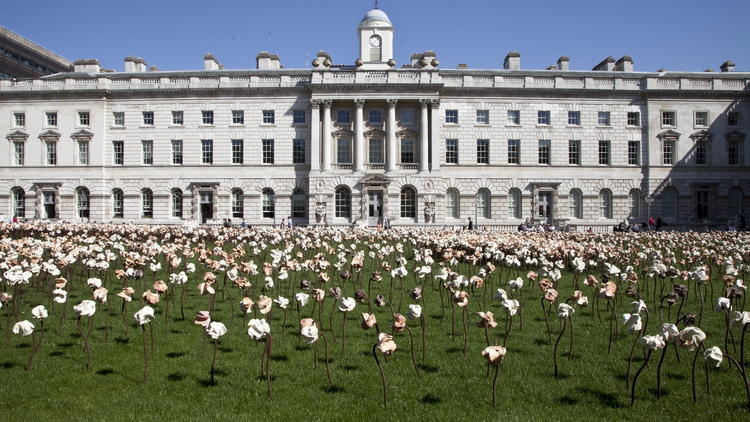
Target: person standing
(651, 223)
(471, 224)
(659, 223)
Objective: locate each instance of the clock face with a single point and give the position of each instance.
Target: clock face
(375, 41)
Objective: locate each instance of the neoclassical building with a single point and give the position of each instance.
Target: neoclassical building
(352, 144)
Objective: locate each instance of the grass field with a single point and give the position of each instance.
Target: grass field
(449, 385)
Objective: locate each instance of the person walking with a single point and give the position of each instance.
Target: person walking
(471, 224)
(651, 223)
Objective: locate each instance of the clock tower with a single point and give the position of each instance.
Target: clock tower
(375, 40)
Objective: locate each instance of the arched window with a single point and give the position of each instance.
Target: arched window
(118, 203)
(669, 202)
(483, 203)
(575, 200)
(451, 203)
(82, 202)
(268, 198)
(238, 203)
(299, 205)
(408, 202)
(734, 206)
(635, 203)
(19, 203)
(147, 203)
(177, 203)
(343, 202)
(605, 203)
(514, 203)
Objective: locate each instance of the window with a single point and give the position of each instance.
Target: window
(117, 204)
(207, 117)
(84, 118)
(604, 153)
(178, 118)
(634, 118)
(702, 204)
(734, 152)
(344, 151)
(635, 203)
(668, 119)
(268, 203)
(451, 116)
(544, 151)
(574, 152)
(343, 116)
(668, 152)
(238, 203)
(634, 153)
(408, 202)
(734, 208)
(83, 153)
(50, 158)
(376, 151)
(207, 151)
(118, 118)
(18, 152)
(605, 203)
(238, 151)
(19, 203)
(483, 151)
(299, 117)
(451, 151)
(483, 117)
(51, 119)
(118, 153)
(177, 151)
(407, 151)
(176, 203)
(298, 151)
(299, 206)
(406, 115)
(267, 151)
(452, 203)
(238, 117)
(514, 203)
(514, 117)
(148, 118)
(701, 152)
(82, 202)
(343, 202)
(700, 119)
(669, 202)
(483, 203)
(375, 116)
(574, 118)
(514, 151)
(733, 118)
(603, 118)
(147, 203)
(19, 119)
(148, 152)
(543, 117)
(575, 201)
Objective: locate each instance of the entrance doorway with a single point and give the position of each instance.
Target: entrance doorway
(544, 207)
(374, 207)
(207, 206)
(49, 205)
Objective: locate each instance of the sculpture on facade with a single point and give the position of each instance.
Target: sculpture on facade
(429, 212)
(320, 211)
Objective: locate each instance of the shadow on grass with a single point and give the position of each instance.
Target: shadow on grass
(105, 371)
(224, 349)
(665, 392)
(176, 376)
(428, 368)
(122, 340)
(301, 347)
(335, 389)
(454, 350)
(65, 345)
(7, 364)
(349, 367)
(430, 398)
(56, 353)
(541, 342)
(262, 378)
(605, 399)
(173, 331)
(568, 400)
(175, 355)
(677, 377)
(23, 346)
(279, 358)
(436, 316)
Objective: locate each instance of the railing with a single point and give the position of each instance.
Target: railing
(409, 166)
(339, 166)
(375, 166)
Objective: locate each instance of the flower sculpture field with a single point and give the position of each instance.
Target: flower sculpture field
(629, 296)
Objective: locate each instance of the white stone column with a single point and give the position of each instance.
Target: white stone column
(435, 140)
(359, 134)
(391, 159)
(327, 135)
(424, 160)
(315, 135)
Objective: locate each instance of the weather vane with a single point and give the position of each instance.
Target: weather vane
(376, 4)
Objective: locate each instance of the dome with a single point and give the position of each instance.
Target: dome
(375, 17)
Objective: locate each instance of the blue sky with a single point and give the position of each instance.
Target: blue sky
(689, 35)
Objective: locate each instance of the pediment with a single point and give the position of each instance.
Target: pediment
(406, 133)
(343, 133)
(734, 136)
(374, 133)
(375, 180)
(17, 135)
(701, 135)
(82, 135)
(50, 136)
(669, 135)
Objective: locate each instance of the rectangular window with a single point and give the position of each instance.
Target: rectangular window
(344, 151)
(148, 118)
(734, 153)
(514, 117)
(19, 119)
(668, 152)
(83, 153)
(701, 152)
(51, 119)
(18, 152)
(514, 151)
(375, 116)
(701, 119)
(451, 116)
(544, 151)
(377, 151)
(299, 117)
(733, 118)
(178, 118)
(483, 117)
(543, 117)
(574, 118)
(343, 116)
(238, 117)
(118, 153)
(668, 119)
(604, 156)
(177, 151)
(207, 117)
(634, 153)
(702, 204)
(207, 151)
(50, 153)
(483, 151)
(298, 151)
(574, 152)
(84, 118)
(268, 151)
(406, 115)
(118, 118)
(148, 152)
(451, 151)
(407, 151)
(238, 151)
(603, 118)
(634, 118)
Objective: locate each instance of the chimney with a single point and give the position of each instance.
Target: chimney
(210, 62)
(87, 66)
(134, 64)
(607, 65)
(512, 61)
(625, 64)
(462, 66)
(428, 60)
(727, 66)
(563, 63)
(322, 59)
